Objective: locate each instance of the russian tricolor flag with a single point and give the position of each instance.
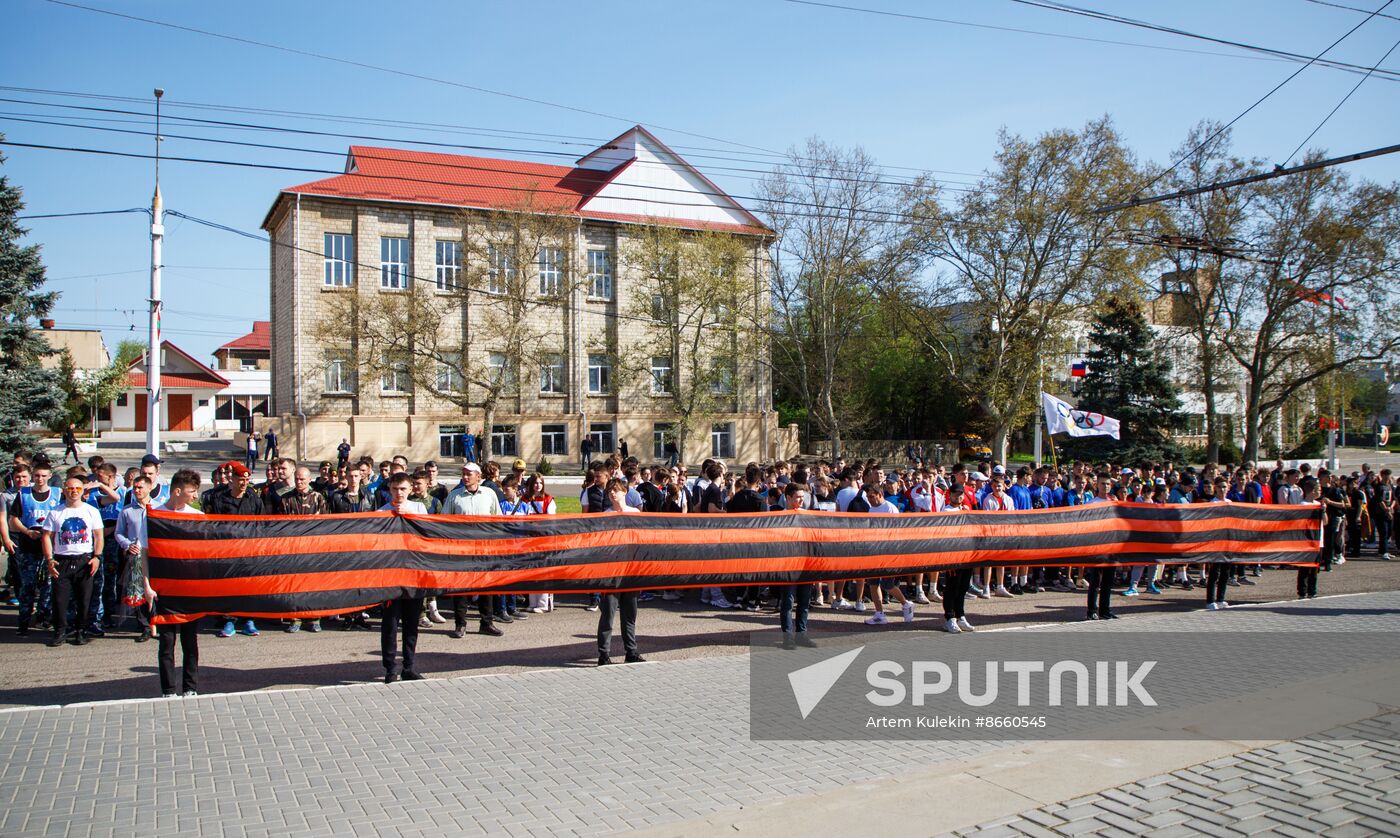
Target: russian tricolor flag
(1079, 370)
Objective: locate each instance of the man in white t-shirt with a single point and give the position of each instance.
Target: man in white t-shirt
(72, 548)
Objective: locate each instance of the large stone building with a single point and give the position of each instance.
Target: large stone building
(396, 224)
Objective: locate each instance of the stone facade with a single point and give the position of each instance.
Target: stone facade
(312, 420)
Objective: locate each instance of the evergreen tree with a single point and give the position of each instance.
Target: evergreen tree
(1131, 382)
(28, 393)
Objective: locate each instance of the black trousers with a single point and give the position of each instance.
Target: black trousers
(188, 634)
(1100, 589)
(405, 612)
(955, 592)
(1382, 525)
(1354, 538)
(626, 605)
(1307, 582)
(74, 576)
(485, 606)
(1217, 575)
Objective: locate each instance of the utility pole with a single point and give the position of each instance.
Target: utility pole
(153, 394)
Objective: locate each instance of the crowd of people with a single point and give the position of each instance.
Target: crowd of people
(76, 542)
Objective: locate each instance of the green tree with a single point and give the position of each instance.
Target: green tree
(28, 392)
(87, 391)
(1131, 382)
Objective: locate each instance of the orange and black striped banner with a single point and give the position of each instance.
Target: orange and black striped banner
(293, 566)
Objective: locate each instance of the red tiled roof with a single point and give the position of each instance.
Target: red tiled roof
(202, 377)
(259, 338)
(137, 380)
(459, 180)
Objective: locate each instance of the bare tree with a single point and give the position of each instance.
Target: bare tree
(694, 301)
(838, 235)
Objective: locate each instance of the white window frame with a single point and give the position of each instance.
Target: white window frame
(501, 371)
(499, 436)
(549, 264)
(600, 274)
(340, 373)
(552, 370)
(500, 272)
(660, 432)
(554, 439)
(600, 433)
(339, 260)
(393, 262)
(661, 385)
(448, 265)
(396, 379)
(722, 440)
(723, 377)
(449, 373)
(599, 374)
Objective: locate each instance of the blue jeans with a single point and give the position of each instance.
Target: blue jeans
(801, 596)
(33, 587)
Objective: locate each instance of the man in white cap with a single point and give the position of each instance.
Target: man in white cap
(472, 498)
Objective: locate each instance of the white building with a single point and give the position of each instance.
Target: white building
(188, 389)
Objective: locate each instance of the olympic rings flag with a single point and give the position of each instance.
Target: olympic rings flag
(312, 566)
(1060, 418)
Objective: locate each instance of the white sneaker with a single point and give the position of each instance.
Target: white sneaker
(1341, 560)
(935, 596)
(840, 604)
(435, 616)
(952, 627)
(860, 606)
(819, 603)
(908, 612)
(720, 602)
(1224, 604)
(670, 596)
(539, 609)
(1001, 591)
(964, 624)
(922, 598)
(876, 619)
(1212, 606)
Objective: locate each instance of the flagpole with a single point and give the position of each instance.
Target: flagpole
(1039, 415)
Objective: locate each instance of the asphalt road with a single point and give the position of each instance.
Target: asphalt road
(115, 667)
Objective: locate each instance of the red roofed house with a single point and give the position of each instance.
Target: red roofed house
(187, 393)
(247, 364)
(396, 215)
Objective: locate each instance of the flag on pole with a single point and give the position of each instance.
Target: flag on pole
(1060, 418)
(1079, 370)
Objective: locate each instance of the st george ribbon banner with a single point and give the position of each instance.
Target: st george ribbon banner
(298, 566)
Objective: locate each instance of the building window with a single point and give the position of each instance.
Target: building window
(599, 374)
(661, 433)
(601, 433)
(554, 439)
(503, 441)
(121, 400)
(722, 377)
(449, 372)
(449, 265)
(722, 440)
(600, 277)
(500, 274)
(247, 362)
(658, 308)
(450, 440)
(550, 260)
(393, 262)
(502, 372)
(661, 375)
(340, 374)
(340, 260)
(552, 374)
(395, 378)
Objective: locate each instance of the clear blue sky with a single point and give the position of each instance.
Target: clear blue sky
(764, 73)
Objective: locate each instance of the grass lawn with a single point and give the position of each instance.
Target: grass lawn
(567, 505)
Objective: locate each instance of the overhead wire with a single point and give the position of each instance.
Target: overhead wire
(1336, 108)
(1349, 8)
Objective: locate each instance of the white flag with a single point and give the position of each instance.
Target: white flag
(1060, 418)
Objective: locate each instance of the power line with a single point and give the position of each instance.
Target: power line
(1226, 184)
(1274, 55)
(1338, 107)
(391, 70)
(1208, 140)
(76, 214)
(1350, 8)
(1092, 14)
